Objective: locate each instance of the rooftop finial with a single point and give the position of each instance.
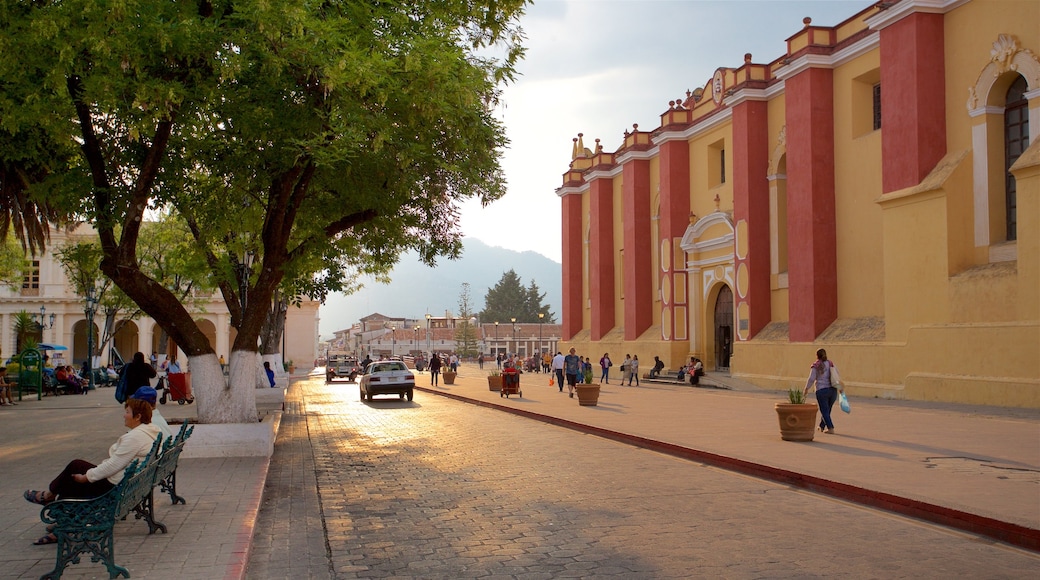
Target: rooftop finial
(806, 21)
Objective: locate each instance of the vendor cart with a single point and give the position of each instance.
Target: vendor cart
(177, 387)
(510, 383)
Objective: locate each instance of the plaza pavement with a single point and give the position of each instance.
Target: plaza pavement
(976, 468)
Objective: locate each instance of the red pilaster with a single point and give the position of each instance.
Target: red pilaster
(601, 256)
(913, 99)
(811, 254)
(674, 167)
(751, 205)
(637, 264)
(572, 265)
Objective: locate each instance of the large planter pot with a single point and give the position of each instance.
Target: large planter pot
(797, 421)
(588, 395)
(449, 377)
(494, 382)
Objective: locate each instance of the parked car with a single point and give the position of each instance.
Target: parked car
(387, 377)
(342, 367)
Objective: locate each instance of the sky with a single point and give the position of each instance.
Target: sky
(598, 66)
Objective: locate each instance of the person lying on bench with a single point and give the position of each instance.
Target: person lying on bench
(83, 480)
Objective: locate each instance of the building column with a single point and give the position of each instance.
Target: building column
(913, 99)
(674, 159)
(751, 216)
(638, 261)
(573, 267)
(601, 256)
(812, 255)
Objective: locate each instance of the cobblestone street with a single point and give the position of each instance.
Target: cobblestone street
(441, 489)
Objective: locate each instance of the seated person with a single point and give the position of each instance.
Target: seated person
(658, 367)
(64, 375)
(83, 480)
(5, 389)
(696, 372)
(112, 374)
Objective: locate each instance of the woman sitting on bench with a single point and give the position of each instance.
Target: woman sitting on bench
(84, 480)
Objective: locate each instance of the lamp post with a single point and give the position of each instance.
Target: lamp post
(429, 352)
(244, 269)
(416, 341)
(541, 321)
(516, 345)
(43, 321)
(90, 309)
(496, 340)
(393, 340)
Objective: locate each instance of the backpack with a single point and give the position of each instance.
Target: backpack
(121, 384)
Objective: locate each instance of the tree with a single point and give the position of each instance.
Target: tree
(465, 332)
(509, 299)
(319, 139)
(14, 265)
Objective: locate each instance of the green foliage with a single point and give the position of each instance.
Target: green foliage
(510, 299)
(796, 396)
(586, 376)
(324, 138)
(26, 332)
(14, 264)
(466, 340)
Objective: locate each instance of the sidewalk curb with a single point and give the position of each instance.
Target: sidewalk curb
(236, 569)
(1013, 534)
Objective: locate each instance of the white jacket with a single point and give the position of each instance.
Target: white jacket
(135, 444)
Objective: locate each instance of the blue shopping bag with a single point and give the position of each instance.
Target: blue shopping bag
(844, 402)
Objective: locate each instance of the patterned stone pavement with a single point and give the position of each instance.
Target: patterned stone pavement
(441, 489)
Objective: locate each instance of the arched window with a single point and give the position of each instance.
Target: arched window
(1016, 140)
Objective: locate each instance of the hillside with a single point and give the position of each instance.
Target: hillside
(417, 289)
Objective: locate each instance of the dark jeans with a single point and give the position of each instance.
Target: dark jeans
(559, 378)
(64, 487)
(434, 373)
(826, 398)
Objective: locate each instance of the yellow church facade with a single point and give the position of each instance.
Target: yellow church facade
(874, 191)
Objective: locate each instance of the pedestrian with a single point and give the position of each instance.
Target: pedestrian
(269, 372)
(557, 367)
(480, 361)
(223, 365)
(624, 368)
(454, 362)
(435, 369)
(571, 367)
(604, 365)
(820, 374)
(658, 367)
(633, 370)
(154, 360)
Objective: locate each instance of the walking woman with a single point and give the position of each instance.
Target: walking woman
(826, 391)
(605, 364)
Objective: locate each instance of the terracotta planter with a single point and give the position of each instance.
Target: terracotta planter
(494, 382)
(797, 421)
(449, 377)
(588, 395)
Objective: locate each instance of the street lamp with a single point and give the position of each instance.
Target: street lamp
(541, 321)
(429, 352)
(496, 340)
(516, 345)
(416, 341)
(244, 269)
(42, 321)
(90, 309)
(393, 340)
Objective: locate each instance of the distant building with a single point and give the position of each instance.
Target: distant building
(874, 191)
(46, 286)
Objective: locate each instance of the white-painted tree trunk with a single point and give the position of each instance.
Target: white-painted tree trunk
(233, 401)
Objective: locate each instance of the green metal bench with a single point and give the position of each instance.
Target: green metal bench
(85, 526)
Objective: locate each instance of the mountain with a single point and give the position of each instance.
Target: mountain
(417, 289)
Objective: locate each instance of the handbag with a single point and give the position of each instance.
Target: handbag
(120, 393)
(622, 368)
(552, 381)
(835, 377)
(843, 401)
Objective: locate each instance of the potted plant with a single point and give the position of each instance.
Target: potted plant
(495, 381)
(291, 367)
(448, 375)
(797, 418)
(588, 393)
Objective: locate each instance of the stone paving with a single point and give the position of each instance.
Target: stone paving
(442, 489)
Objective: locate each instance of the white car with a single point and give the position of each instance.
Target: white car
(387, 377)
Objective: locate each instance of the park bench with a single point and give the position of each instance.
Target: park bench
(85, 526)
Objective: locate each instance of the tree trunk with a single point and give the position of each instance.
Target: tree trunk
(231, 402)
